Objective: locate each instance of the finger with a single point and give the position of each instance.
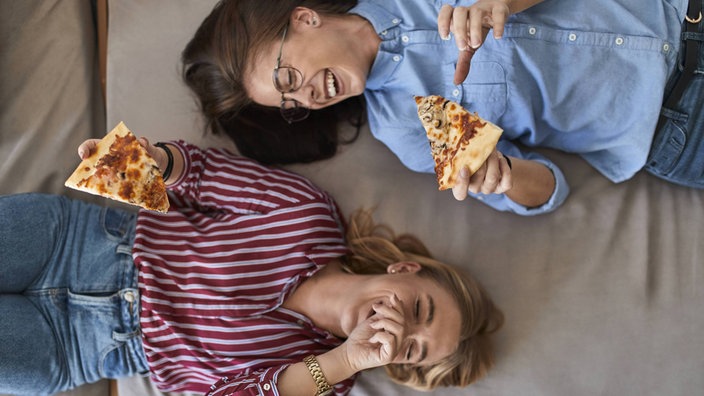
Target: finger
(506, 176)
(157, 153)
(475, 29)
(444, 20)
(459, 27)
(387, 342)
(477, 179)
(498, 18)
(493, 174)
(388, 312)
(144, 142)
(87, 148)
(462, 68)
(461, 185)
(389, 326)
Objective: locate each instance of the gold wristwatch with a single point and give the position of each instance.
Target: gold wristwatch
(324, 388)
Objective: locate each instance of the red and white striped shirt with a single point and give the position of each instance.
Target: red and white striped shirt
(215, 269)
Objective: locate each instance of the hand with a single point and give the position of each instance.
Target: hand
(470, 26)
(87, 148)
(376, 341)
(494, 177)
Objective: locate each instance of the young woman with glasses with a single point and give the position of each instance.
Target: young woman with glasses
(250, 281)
(582, 77)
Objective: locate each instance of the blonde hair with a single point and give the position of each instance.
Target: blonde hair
(375, 246)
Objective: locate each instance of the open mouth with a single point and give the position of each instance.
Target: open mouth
(331, 84)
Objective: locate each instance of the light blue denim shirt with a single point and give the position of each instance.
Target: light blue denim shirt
(585, 77)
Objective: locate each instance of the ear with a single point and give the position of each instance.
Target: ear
(303, 17)
(403, 267)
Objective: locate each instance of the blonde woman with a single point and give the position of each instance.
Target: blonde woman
(247, 284)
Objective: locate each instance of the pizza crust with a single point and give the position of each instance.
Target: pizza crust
(121, 169)
(457, 137)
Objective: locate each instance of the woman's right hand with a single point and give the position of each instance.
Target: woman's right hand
(376, 341)
(470, 26)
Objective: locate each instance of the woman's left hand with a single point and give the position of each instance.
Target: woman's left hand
(494, 177)
(470, 26)
(88, 147)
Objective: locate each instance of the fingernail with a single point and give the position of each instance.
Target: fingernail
(445, 37)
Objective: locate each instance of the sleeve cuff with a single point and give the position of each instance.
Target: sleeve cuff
(559, 195)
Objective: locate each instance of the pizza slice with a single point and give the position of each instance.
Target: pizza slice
(457, 137)
(121, 169)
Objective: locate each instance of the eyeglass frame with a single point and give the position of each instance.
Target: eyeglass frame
(297, 106)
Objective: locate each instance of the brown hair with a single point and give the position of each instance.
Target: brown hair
(213, 67)
(373, 247)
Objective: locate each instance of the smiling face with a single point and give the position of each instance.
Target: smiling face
(332, 66)
(431, 316)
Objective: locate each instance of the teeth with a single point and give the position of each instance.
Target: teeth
(331, 85)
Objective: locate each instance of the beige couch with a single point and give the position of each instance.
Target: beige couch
(602, 297)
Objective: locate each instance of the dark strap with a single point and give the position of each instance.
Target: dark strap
(690, 48)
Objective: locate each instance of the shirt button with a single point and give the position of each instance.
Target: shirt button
(572, 37)
(666, 47)
(300, 322)
(619, 40)
(266, 387)
(396, 58)
(129, 296)
(532, 30)
(405, 39)
(383, 33)
(395, 21)
(456, 92)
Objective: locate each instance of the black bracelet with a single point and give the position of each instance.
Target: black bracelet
(170, 164)
(508, 161)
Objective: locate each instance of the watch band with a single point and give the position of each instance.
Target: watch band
(324, 388)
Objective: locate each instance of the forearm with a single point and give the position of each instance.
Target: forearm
(533, 183)
(297, 380)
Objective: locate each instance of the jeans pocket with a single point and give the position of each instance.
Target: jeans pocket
(668, 144)
(116, 223)
(119, 360)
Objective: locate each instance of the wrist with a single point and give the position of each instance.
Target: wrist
(167, 164)
(336, 365)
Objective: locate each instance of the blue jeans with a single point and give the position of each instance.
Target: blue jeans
(69, 303)
(677, 153)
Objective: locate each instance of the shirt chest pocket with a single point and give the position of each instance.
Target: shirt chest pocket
(484, 91)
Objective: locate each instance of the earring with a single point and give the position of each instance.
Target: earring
(315, 21)
(393, 271)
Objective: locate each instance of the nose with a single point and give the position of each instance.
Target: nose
(305, 95)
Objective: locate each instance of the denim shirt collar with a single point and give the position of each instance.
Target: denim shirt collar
(386, 25)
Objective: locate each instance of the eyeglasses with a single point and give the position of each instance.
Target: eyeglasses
(288, 79)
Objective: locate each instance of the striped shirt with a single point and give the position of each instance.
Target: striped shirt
(214, 271)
